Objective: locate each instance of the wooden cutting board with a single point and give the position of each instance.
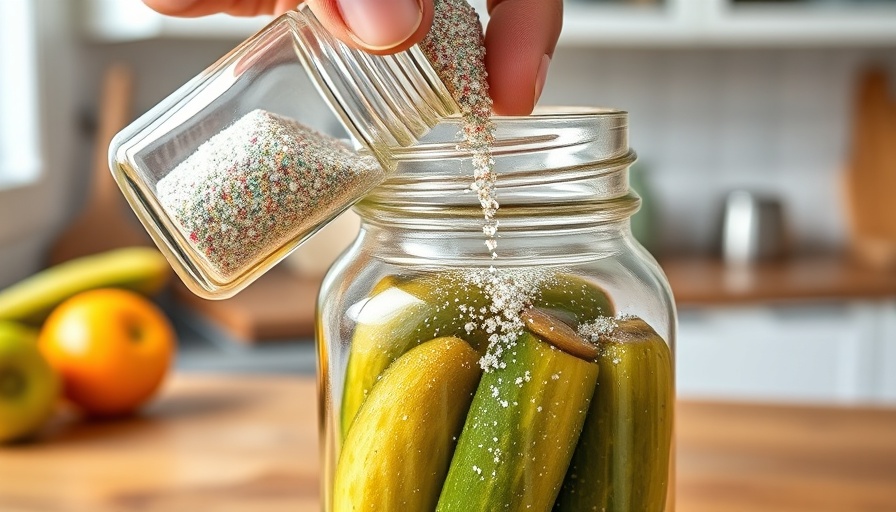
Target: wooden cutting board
(280, 305)
(105, 222)
(870, 183)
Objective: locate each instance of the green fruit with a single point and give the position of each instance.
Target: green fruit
(521, 431)
(140, 269)
(402, 313)
(397, 451)
(28, 386)
(622, 461)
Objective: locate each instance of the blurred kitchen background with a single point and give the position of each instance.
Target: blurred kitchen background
(748, 117)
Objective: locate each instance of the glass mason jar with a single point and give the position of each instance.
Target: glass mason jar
(539, 380)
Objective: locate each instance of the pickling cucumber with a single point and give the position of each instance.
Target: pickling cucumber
(621, 463)
(400, 316)
(401, 313)
(521, 431)
(574, 299)
(398, 449)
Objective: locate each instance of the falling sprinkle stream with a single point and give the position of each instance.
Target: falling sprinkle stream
(455, 48)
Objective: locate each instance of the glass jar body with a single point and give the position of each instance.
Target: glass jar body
(435, 397)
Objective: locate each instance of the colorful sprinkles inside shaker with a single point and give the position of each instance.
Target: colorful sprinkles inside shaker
(258, 184)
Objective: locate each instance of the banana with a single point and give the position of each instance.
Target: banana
(140, 269)
(622, 461)
(403, 312)
(521, 431)
(397, 451)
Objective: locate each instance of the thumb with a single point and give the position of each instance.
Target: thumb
(376, 26)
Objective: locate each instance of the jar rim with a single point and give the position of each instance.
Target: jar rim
(546, 128)
(553, 146)
(558, 162)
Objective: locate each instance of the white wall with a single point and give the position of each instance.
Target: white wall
(707, 121)
(704, 121)
(30, 212)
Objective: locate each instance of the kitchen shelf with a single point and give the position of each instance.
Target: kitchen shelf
(802, 23)
(720, 23)
(596, 24)
(682, 23)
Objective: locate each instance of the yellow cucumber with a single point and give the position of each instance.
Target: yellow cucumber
(396, 319)
(402, 313)
(398, 449)
(622, 461)
(140, 269)
(521, 431)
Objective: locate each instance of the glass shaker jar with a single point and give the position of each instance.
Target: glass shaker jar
(540, 380)
(227, 177)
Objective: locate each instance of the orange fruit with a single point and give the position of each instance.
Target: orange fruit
(111, 347)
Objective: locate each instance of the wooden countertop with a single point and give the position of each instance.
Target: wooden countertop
(235, 444)
(706, 281)
(261, 313)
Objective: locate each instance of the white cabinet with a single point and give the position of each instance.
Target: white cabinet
(833, 353)
(129, 20)
(586, 22)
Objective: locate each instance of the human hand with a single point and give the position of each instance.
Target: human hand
(519, 41)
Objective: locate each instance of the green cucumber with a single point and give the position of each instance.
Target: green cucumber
(521, 431)
(398, 449)
(401, 313)
(574, 300)
(622, 461)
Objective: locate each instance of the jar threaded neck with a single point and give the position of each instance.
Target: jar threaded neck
(411, 99)
(568, 165)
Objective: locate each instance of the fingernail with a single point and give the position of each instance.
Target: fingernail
(171, 7)
(541, 76)
(381, 24)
